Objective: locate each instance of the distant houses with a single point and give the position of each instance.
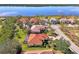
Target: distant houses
(63, 20)
(23, 20)
(71, 20)
(44, 21)
(54, 21)
(67, 20)
(28, 21)
(34, 20)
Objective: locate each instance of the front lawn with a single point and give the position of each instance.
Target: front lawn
(62, 46)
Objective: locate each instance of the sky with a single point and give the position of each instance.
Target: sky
(36, 11)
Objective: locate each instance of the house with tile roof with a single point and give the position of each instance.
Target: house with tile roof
(36, 39)
(24, 21)
(34, 20)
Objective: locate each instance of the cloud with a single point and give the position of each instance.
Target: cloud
(8, 13)
(75, 9)
(59, 11)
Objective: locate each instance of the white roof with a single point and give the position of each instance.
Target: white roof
(37, 27)
(63, 19)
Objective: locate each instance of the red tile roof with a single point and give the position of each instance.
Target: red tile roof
(23, 20)
(36, 39)
(34, 20)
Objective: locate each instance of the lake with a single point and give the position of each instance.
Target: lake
(39, 11)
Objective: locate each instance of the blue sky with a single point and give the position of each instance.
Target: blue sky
(34, 11)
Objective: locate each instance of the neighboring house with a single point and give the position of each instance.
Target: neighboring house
(67, 20)
(44, 21)
(71, 20)
(63, 20)
(38, 28)
(36, 39)
(24, 21)
(54, 21)
(34, 20)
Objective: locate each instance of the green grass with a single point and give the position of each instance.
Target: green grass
(62, 46)
(0, 29)
(26, 48)
(21, 35)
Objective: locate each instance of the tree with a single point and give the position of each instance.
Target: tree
(8, 44)
(10, 47)
(46, 43)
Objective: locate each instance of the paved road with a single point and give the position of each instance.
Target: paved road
(73, 47)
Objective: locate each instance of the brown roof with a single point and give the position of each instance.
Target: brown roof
(34, 20)
(23, 20)
(36, 39)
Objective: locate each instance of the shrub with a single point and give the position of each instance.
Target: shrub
(10, 47)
